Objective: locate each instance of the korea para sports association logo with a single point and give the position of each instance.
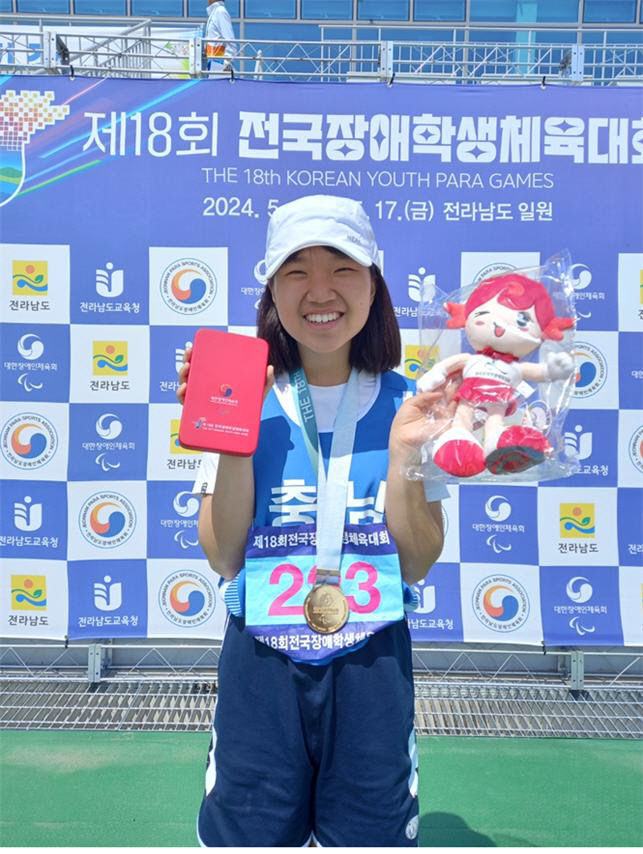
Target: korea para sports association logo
(187, 598)
(28, 441)
(635, 448)
(107, 519)
(188, 286)
(496, 268)
(501, 603)
(591, 370)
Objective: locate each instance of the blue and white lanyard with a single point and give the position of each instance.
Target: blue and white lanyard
(332, 489)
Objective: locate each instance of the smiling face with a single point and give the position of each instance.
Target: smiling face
(323, 299)
(505, 329)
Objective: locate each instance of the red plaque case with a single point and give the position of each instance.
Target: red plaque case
(222, 407)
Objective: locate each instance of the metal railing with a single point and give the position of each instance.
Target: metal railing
(124, 660)
(473, 691)
(450, 709)
(140, 50)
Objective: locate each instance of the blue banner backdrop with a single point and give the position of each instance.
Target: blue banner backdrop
(113, 191)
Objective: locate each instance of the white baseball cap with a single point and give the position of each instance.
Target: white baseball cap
(318, 221)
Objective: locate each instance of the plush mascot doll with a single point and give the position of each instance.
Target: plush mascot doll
(505, 319)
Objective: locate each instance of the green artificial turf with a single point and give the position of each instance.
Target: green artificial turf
(144, 788)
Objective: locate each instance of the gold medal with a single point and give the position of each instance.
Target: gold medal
(326, 609)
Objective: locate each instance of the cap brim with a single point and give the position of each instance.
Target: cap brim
(355, 253)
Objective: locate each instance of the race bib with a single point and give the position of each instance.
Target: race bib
(280, 572)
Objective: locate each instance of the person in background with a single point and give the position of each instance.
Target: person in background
(220, 49)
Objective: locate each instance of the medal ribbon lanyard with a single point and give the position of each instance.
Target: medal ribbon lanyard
(332, 489)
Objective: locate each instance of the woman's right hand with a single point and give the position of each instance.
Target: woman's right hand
(184, 370)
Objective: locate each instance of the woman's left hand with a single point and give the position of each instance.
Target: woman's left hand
(420, 418)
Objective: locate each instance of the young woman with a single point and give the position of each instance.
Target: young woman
(313, 738)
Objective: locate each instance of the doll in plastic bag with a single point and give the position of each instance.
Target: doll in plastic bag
(505, 319)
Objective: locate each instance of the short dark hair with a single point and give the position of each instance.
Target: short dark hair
(376, 348)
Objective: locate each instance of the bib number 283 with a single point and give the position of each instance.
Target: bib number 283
(361, 573)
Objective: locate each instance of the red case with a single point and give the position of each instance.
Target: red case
(223, 400)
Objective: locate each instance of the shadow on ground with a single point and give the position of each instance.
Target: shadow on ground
(446, 830)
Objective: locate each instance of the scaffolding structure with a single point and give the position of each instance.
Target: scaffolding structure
(143, 48)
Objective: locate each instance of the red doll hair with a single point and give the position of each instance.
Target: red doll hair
(517, 292)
